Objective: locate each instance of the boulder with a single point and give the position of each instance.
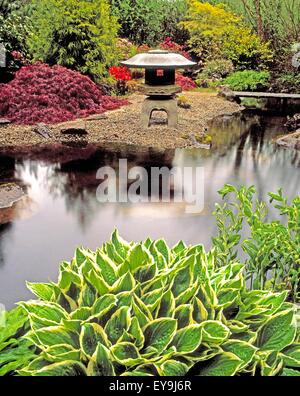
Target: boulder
(4, 122)
(73, 128)
(9, 194)
(42, 130)
(293, 123)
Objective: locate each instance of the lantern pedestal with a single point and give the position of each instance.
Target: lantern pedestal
(168, 104)
(160, 82)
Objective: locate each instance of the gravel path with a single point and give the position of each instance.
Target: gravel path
(123, 125)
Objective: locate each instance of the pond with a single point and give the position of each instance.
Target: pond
(61, 211)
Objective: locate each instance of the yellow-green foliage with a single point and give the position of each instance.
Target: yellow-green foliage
(217, 32)
(79, 34)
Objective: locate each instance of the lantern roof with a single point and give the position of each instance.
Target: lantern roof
(159, 59)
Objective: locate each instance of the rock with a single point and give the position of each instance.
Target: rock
(4, 122)
(74, 129)
(96, 117)
(9, 194)
(226, 93)
(293, 123)
(42, 130)
(291, 141)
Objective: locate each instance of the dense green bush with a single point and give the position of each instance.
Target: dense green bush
(144, 309)
(76, 34)
(272, 247)
(248, 80)
(214, 70)
(150, 21)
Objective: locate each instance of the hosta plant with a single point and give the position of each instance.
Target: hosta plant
(142, 309)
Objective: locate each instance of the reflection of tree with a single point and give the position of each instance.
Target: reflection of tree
(74, 180)
(7, 168)
(253, 159)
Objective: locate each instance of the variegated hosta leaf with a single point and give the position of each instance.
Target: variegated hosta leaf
(51, 336)
(48, 313)
(138, 257)
(68, 368)
(101, 363)
(61, 352)
(173, 368)
(224, 365)
(144, 309)
(127, 354)
(243, 350)
(107, 267)
(92, 334)
(119, 322)
(44, 291)
(188, 339)
(278, 332)
(290, 373)
(121, 246)
(159, 333)
(214, 332)
(291, 355)
(184, 315)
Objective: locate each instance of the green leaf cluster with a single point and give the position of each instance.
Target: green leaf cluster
(150, 21)
(77, 34)
(15, 352)
(248, 80)
(216, 32)
(140, 309)
(272, 247)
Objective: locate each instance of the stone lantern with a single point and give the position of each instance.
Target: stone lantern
(159, 87)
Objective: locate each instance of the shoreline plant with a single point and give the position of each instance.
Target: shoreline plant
(143, 309)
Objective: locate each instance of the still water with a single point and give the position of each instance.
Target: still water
(61, 211)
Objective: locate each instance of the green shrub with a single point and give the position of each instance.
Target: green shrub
(214, 71)
(150, 21)
(247, 80)
(78, 34)
(272, 247)
(145, 309)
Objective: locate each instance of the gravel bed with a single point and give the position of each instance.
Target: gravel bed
(123, 125)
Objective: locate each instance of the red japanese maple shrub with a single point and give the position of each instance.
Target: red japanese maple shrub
(40, 93)
(172, 46)
(186, 83)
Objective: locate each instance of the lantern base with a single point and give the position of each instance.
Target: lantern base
(168, 105)
(160, 90)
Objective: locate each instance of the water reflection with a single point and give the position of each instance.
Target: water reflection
(62, 212)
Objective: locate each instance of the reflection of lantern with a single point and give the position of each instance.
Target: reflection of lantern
(159, 84)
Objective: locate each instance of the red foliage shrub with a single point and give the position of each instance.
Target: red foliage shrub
(171, 46)
(120, 73)
(40, 93)
(186, 83)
